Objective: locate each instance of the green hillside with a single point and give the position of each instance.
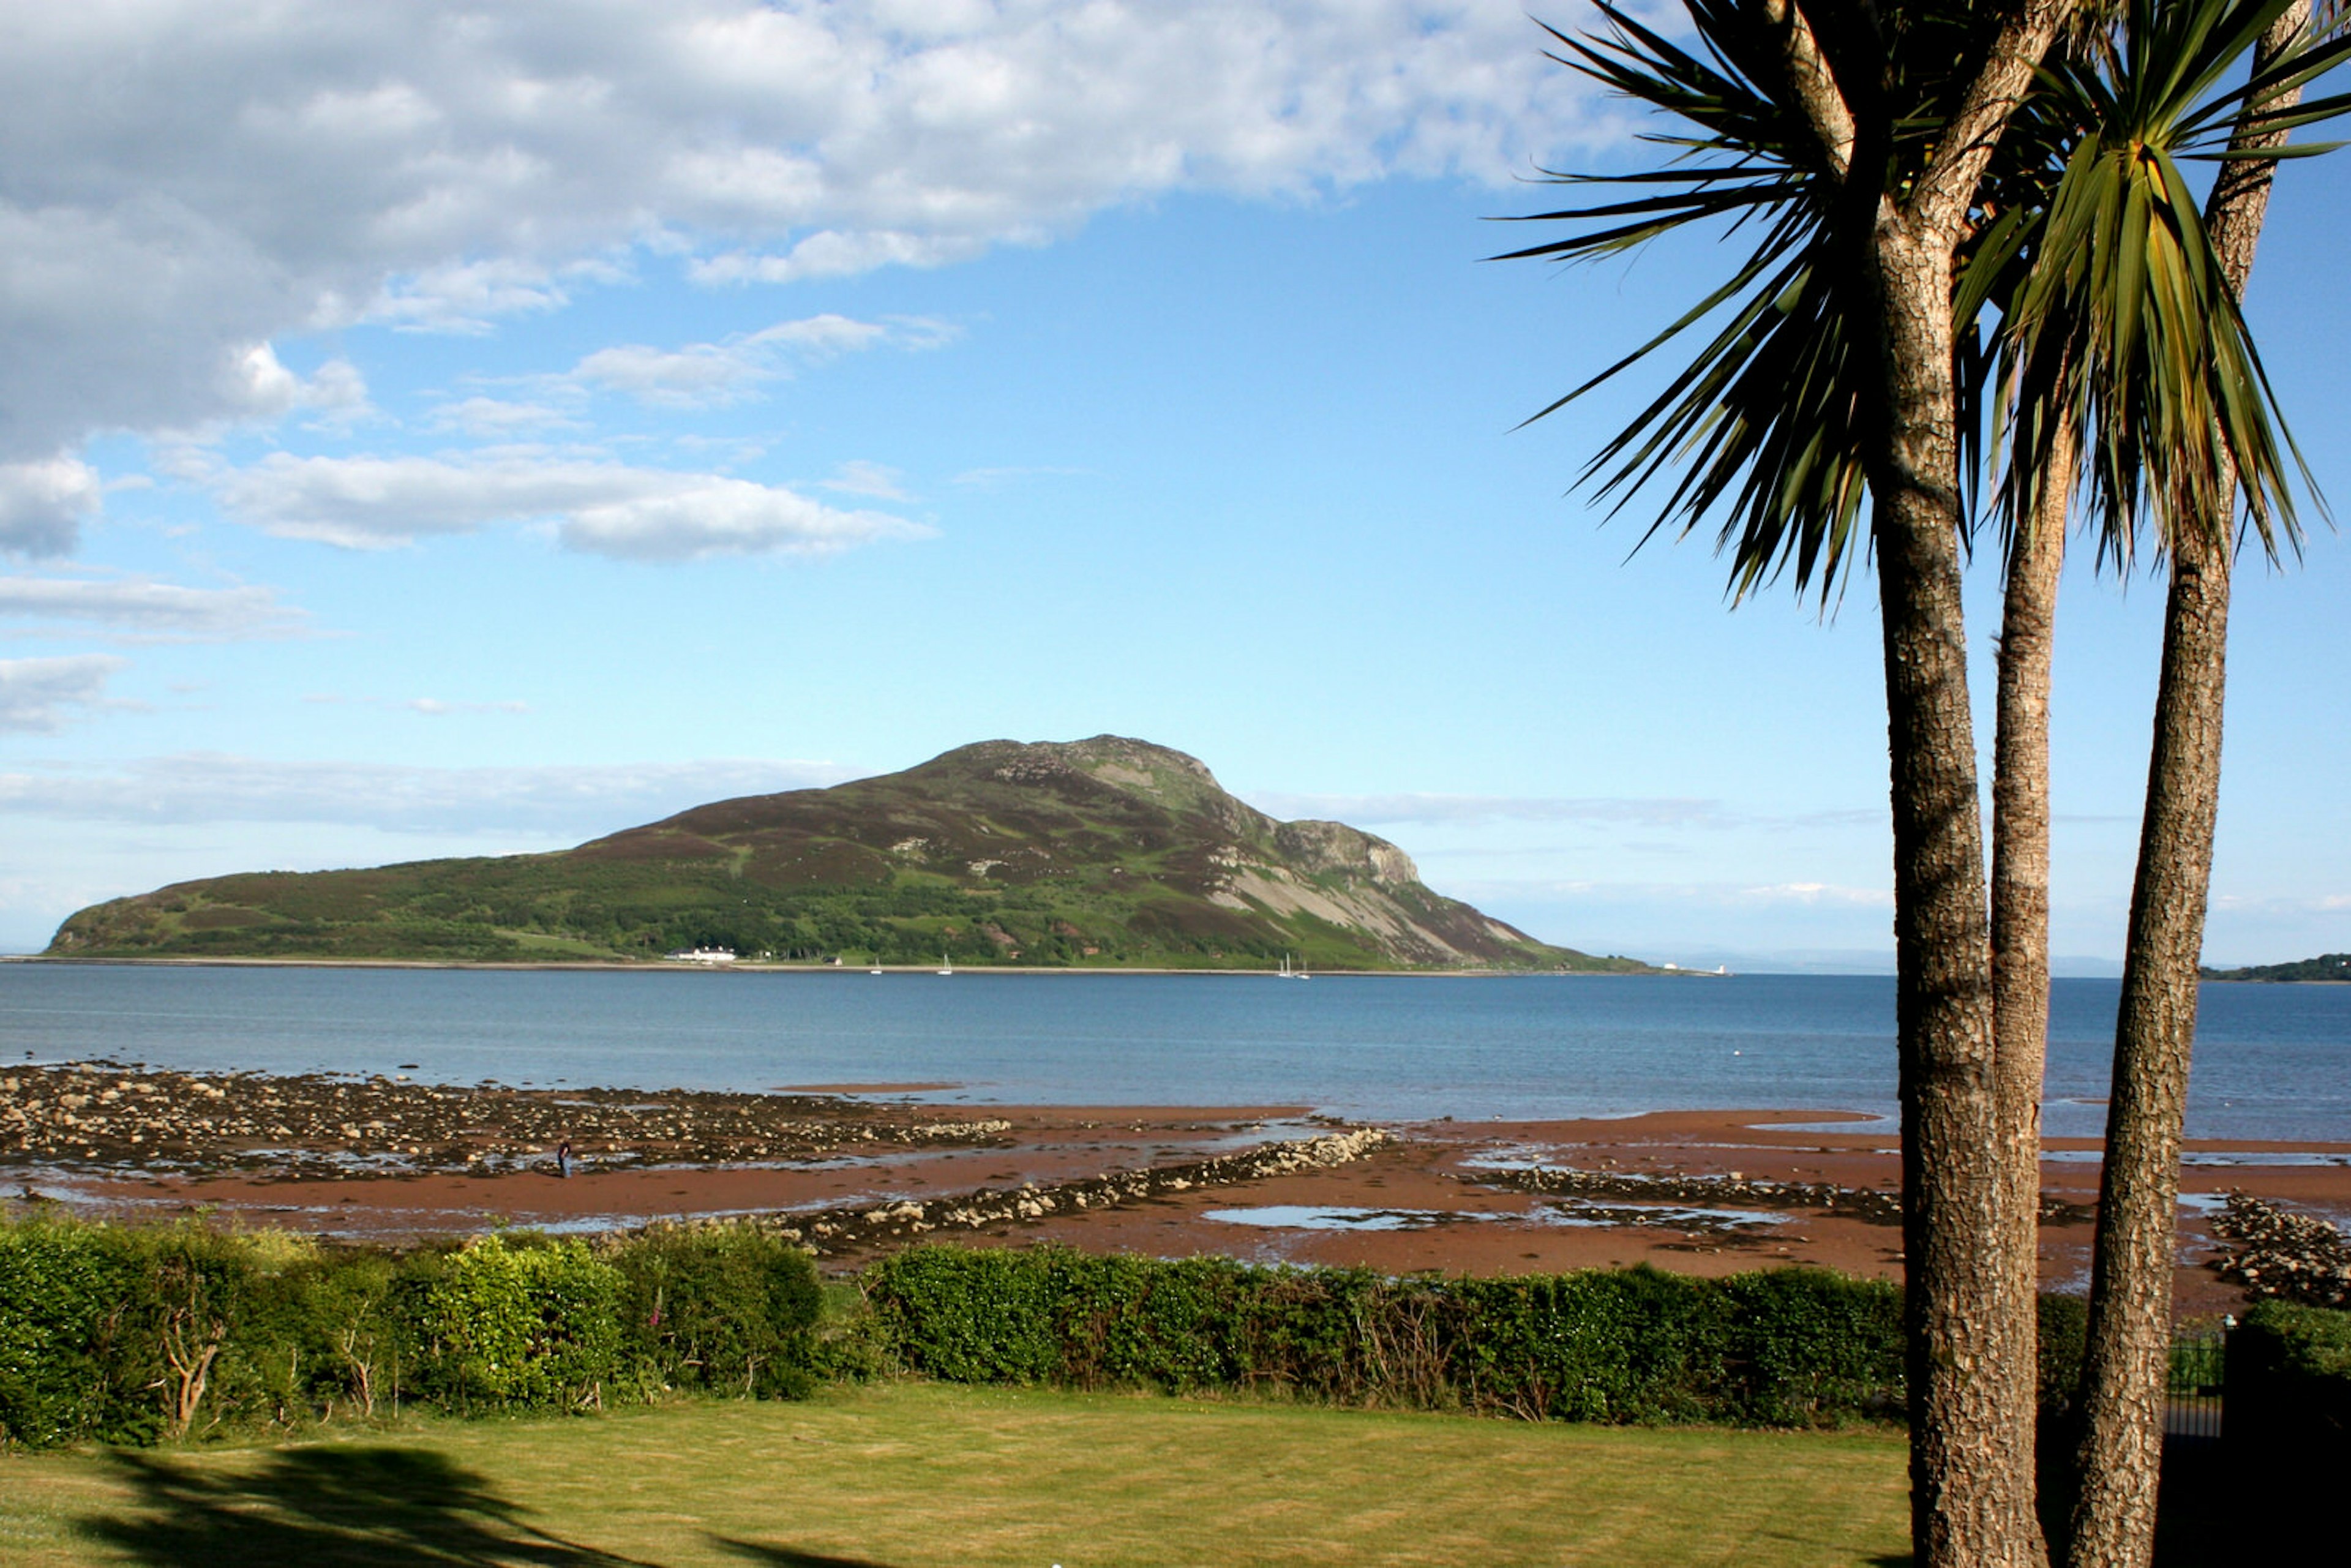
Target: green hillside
(1104, 852)
(2326, 966)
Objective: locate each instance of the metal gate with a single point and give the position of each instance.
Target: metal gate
(2194, 1393)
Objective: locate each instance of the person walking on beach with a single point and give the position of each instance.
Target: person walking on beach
(563, 1159)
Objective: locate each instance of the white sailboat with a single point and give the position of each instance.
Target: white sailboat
(946, 964)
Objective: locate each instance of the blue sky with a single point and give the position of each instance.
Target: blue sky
(427, 435)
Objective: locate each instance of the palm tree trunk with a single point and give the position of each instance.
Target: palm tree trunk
(2020, 875)
(1970, 1436)
(2128, 1352)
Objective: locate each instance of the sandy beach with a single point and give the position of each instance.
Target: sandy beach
(1700, 1192)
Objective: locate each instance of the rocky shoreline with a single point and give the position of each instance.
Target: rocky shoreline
(105, 1117)
(2272, 1251)
(1871, 1206)
(832, 1233)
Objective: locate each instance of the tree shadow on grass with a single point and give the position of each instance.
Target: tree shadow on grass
(363, 1507)
(771, 1556)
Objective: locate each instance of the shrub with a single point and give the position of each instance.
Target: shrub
(1788, 1347)
(64, 1291)
(512, 1323)
(2288, 1427)
(728, 1308)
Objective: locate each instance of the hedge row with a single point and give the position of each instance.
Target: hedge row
(1786, 1347)
(127, 1334)
(2289, 1379)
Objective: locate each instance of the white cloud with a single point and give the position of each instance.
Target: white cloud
(858, 478)
(707, 375)
(711, 515)
(38, 695)
(1820, 893)
(497, 419)
(598, 508)
(993, 479)
(1708, 895)
(44, 504)
(142, 607)
(435, 707)
(1642, 811)
(184, 181)
(211, 786)
(431, 707)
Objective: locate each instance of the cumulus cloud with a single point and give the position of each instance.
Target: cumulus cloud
(597, 507)
(43, 505)
(142, 607)
(40, 696)
(707, 375)
(211, 786)
(183, 181)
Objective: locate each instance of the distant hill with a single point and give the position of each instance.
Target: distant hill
(1105, 852)
(2326, 966)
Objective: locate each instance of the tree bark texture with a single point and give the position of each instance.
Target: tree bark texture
(1969, 1331)
(2128, 1352)
(2020, 869)
(1970, 1419)
(2020, 823)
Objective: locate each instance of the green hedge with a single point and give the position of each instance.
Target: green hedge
(2289, 1380)
(1786, 1347)
(2288, 1430)
(126, 1334)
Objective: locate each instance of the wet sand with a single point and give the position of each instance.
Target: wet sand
(1699, 1192)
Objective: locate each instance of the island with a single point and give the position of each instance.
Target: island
(1103, 853)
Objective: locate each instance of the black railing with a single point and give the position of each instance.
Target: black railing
(2193, 1394)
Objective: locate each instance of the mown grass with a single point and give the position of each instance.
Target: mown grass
(899, 1475)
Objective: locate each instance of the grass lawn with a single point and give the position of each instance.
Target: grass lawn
(899, 1475)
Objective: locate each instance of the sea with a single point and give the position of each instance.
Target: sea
(2271, 1062)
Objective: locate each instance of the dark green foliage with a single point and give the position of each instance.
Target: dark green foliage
(127, 1334)
(723, 1308)
(2288, 1430)
(2289, 1380)
(1786, 1347)
(2064, 1335)
(2334, 967)
(496, 1324)
(63, 1292)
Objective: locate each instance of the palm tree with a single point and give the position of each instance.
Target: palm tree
(1855, 141)
(1769, 421)
(2156, 113)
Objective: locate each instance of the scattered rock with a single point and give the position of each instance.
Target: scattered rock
(2272, 1251)
(317, 1125)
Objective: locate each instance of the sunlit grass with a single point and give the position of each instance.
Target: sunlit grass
(914, 1474)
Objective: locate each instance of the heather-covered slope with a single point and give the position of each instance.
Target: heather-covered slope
(1107, 852)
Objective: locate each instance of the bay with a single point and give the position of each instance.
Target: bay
(2272, 1062)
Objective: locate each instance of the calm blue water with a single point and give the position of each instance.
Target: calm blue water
(2271, 1061)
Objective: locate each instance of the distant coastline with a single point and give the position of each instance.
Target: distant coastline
(2326, 969)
